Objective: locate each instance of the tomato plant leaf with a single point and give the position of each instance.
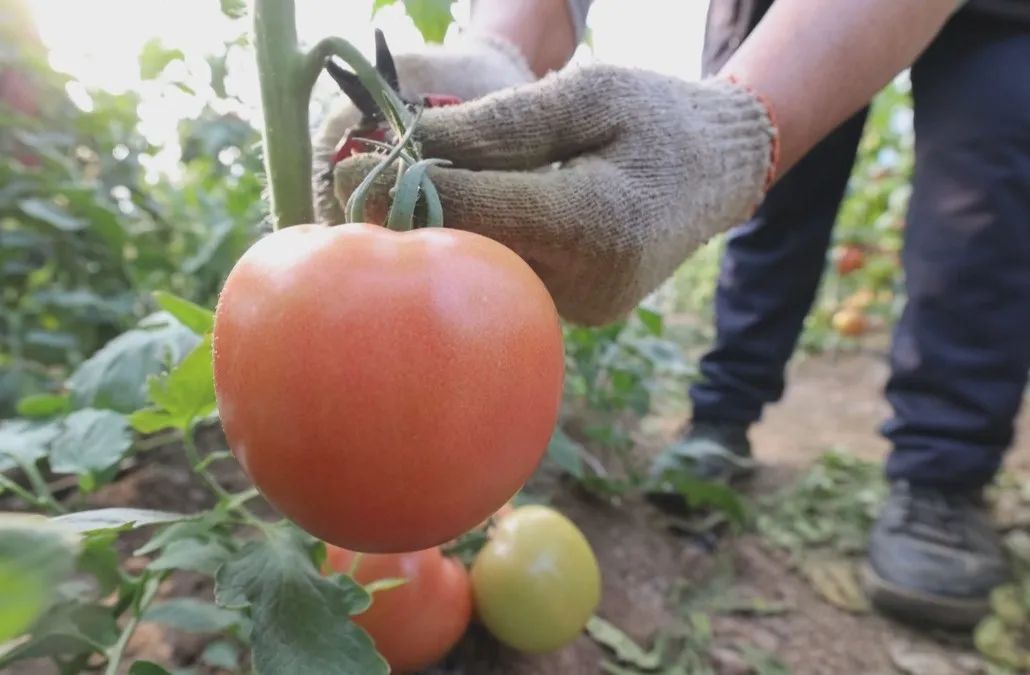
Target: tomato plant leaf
(565, 452)
(99, 557)
(652, 320)
(51, 214)
(221, 654)
(25, 441)
(192, 526)
(301, 623)
(431, 17)
(380, 4)
(192, 615)
(184, 394)
(44, 405)
(90, 441)
(115, 376)
(35, 556)
(191, 554)
(622, 645)
(198, 319)
(147, 668)
(234, 9)
(155, 57)
(67, 628)
(115, 519)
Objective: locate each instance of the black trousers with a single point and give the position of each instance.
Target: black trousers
(961, 350)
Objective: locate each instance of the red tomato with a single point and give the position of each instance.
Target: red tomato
(387, 391)
(850, 322)
(849, 259)
(413, 625)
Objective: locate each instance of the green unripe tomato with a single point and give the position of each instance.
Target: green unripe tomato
(536, 582)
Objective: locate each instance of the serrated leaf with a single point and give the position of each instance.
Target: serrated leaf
(301, 623)
(35, 556)
(90, 441)
(147, 668)
(187, 392)
(25, 441)
(191, 615)
(622, 646)
(193, 555)
(44, 405)
(565, 452)
(115, 518)
(198, 319)
(51, 214)
(431, 17)
(115, 376)
(154, 58)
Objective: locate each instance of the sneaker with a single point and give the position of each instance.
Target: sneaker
(934, 557)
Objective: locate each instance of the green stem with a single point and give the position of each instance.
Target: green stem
(40, 487)
(193, 457)
(145, 595)
(356, 203)
(285, 97)
(402, 213)
(26, 495)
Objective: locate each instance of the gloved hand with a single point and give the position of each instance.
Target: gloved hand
(651, 168)
(474, 66)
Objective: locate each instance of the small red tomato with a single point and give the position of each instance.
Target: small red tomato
(850, 258)
(850, 322)
(415, 624)
(387, 391)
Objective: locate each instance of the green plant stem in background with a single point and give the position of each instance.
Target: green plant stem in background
(287, 77)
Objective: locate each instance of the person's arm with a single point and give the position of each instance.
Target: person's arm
(817, 62)
(543, 30)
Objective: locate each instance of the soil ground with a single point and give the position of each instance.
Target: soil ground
(832, 401)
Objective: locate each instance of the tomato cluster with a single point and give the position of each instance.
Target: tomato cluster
(533, 585)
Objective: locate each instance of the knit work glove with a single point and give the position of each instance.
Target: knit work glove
(650, 167)
(473, 67)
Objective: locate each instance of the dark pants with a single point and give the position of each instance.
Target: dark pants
(961, 350)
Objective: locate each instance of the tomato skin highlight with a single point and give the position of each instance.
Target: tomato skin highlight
(413, 625)
(536, 583)
(386, 391)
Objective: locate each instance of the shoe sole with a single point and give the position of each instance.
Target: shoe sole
(920, 607)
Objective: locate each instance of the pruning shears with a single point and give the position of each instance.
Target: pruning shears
(373, 125)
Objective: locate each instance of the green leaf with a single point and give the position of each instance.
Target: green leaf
(652, 320)
(431, 17)
(99, 557)
(221, 654)
(155, 58)
(565, 452)
(147, 668)
(90, 441)
(51, 214)
(198, 319)
(193, 555)
(301, 623)
(44, 405)
(68, 628)
(192, 615)
(234, 9)
(35, 556)
(185, 394)
(115, 518)
(709, 494)
(380, 4)
(115, 377)
(625, 649)
(25, 441)
(184, 529)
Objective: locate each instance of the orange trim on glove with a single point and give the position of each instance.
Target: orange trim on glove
(774, 151)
